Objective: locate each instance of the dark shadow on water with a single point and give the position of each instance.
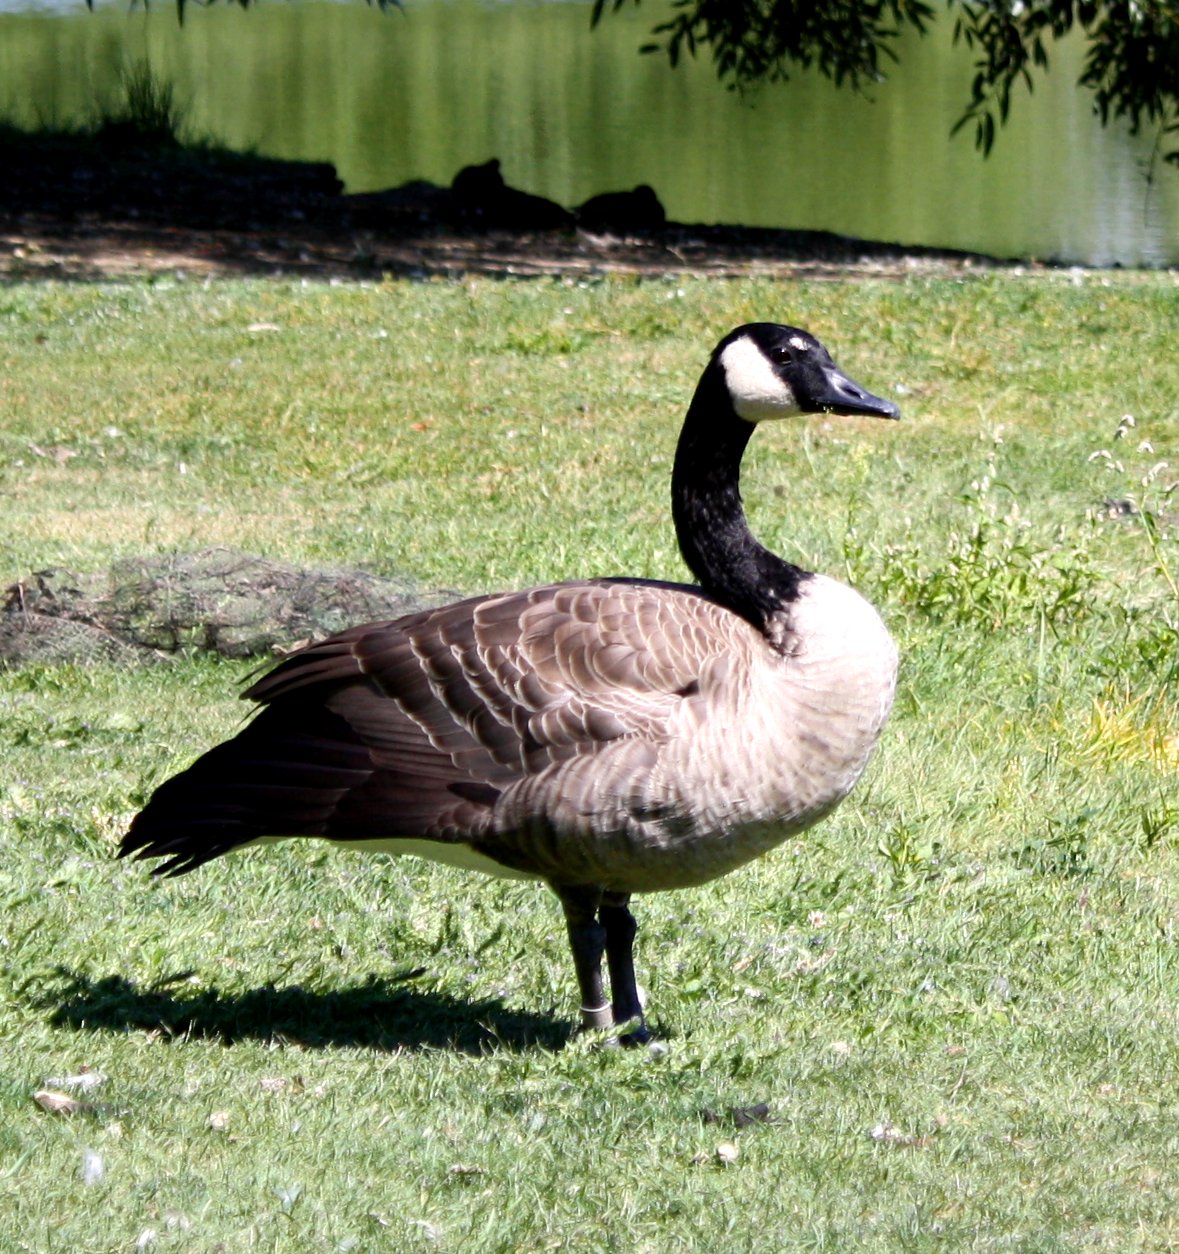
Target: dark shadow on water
(380, 1014)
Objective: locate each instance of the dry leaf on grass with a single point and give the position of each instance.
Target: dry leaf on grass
(61, 1103)
(85, 1081)
(464, 1169)
(887, 1134)
(724, 1153)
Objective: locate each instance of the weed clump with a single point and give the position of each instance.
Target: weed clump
(995, 568)
(149, 115)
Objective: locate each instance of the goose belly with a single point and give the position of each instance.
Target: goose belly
(448, 852)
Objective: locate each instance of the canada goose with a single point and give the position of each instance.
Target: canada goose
(638, 211)
(610, 737)
(483, 199)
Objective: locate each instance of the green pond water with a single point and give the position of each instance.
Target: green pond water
(420, 92)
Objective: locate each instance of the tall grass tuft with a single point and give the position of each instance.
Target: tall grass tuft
(148, 114)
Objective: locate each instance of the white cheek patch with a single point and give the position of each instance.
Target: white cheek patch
(756, 390)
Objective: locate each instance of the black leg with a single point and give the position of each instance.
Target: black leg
(587, 940)
(620, 929)
(600, 924)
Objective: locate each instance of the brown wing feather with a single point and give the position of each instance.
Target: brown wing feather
(416, 727)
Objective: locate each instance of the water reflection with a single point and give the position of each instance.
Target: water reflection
(417, 94)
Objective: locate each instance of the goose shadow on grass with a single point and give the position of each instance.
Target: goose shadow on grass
(379, 1014)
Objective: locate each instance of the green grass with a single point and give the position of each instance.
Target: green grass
(957, 997)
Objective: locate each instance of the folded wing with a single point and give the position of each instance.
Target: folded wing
(419, 728)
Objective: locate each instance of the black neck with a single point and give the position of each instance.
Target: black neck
(709, 519)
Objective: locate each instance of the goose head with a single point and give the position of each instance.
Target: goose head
(759, 372)
(773, 371)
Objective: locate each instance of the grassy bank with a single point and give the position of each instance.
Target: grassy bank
(957, 997)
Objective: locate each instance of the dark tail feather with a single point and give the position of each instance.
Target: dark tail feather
(269, 780)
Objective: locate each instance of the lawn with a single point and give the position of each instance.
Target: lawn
(944, 1019)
